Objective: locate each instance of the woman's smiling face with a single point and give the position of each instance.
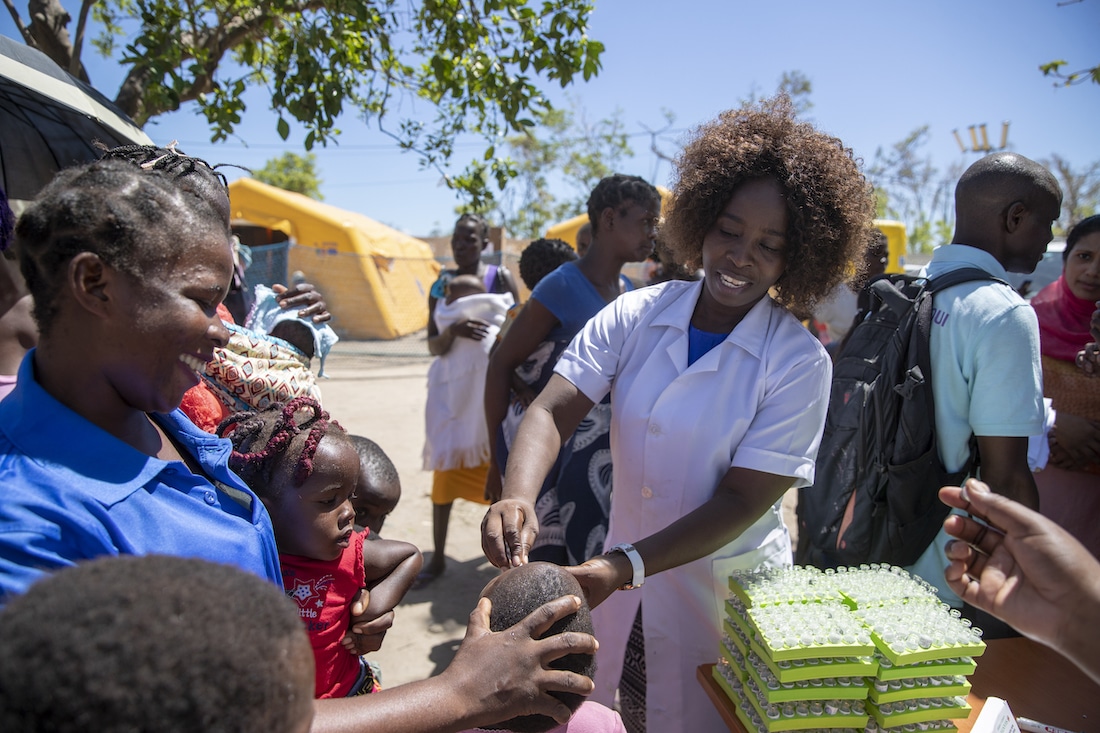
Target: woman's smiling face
(744, 254)
(173, 325)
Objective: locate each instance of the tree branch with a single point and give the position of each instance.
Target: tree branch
(216, 42)
(78, 44)
(23, 31)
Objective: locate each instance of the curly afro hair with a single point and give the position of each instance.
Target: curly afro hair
(541, 257)
(154, 642)
(830, 205)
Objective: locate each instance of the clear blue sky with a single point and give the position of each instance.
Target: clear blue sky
(879, 69)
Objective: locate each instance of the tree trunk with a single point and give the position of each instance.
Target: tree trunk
(49, 27)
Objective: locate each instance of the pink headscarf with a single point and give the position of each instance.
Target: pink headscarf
(1063, 320)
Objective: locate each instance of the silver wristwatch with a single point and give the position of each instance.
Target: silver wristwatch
(635, 562)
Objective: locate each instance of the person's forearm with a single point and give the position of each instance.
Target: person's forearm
(426, 706)
(533, 454)
(712, 526)
(1018, 485)
(1003, 466)
(441, 343)
(386, 593)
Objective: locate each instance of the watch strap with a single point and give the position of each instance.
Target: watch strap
(636, 564)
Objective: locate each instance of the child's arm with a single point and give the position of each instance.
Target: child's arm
(390, 567)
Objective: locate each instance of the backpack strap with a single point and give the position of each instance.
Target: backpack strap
(491, 277)
(924, 331)
(961, 275)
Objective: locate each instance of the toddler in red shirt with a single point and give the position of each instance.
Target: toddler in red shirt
(304, 468)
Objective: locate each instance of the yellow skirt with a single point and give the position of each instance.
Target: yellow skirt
(460, 483)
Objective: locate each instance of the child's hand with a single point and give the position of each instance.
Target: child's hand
(367, 636)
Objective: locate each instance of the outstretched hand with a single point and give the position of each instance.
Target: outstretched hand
(509, 671)
(306, 298)
(508, 531)
(1019, 566)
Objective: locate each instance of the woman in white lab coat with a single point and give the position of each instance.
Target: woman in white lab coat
(718, 399)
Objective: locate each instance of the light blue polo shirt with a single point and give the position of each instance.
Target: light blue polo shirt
(986, 372)
(72, 491)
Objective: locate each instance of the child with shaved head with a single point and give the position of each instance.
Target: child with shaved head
(514, 594)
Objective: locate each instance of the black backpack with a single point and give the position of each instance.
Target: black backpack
(878, 463)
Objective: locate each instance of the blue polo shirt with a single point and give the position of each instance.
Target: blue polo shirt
(71, 491)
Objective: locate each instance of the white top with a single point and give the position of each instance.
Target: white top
(758, 401)
(455, 432)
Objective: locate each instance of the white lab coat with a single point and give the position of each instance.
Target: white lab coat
(757, 401)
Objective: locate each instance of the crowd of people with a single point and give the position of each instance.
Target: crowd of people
(632, 445)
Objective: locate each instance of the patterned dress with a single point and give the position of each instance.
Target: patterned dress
(573, 504)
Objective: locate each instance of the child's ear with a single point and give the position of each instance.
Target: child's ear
(92, 282)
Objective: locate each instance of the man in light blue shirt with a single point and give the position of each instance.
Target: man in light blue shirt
(986, 369)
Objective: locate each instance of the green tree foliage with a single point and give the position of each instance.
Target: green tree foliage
(425, 71)
(1056, 69)
(562, 148)
(292, 172)
(1070, 78)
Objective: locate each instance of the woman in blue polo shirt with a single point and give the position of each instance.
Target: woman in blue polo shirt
(126, 270)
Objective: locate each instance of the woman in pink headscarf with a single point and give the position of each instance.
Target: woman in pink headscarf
(1069, 487)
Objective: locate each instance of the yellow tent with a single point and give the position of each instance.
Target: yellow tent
(896, 243)
(375, 279)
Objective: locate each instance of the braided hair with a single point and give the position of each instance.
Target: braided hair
(132, 220)
(190, 173)
(281, 439)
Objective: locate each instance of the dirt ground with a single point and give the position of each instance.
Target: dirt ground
(383, 399)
